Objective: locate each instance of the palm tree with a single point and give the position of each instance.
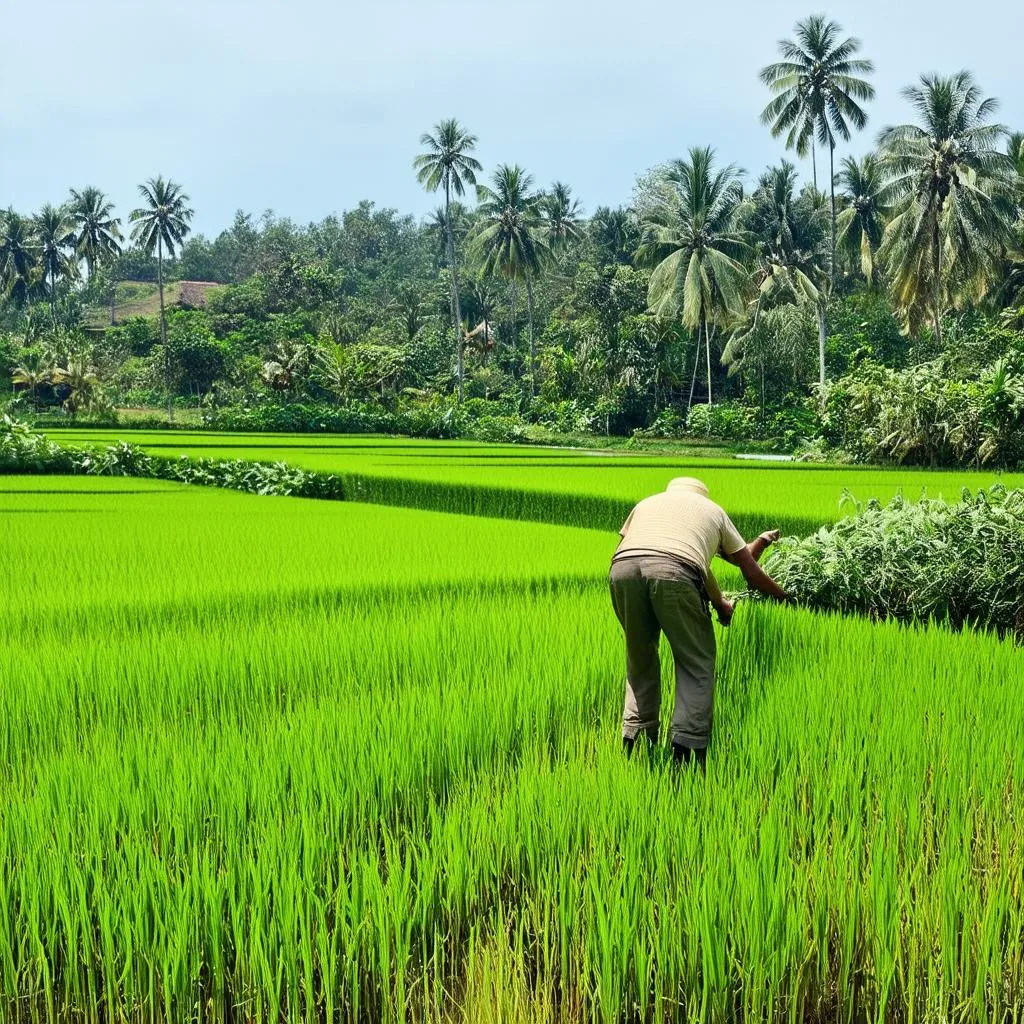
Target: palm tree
(19, 257)
(56, 236)
(35, 369)
(80, 378)
(789, 267)
(562, 216)
(448, 165)
(510, 236)
(97, 230)
(691, 240)
(163, 222)
(952, 194)
(862, 221)
(817, 94)
(613, 231)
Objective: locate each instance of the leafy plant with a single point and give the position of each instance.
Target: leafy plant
(959, 563)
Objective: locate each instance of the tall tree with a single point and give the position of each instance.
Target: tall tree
(790, 265)
(862, 221)
(447, 164)
(818, 93)
(614, 232)
(510, 236)
(56, 237)
(97, 230)
(161, 223)
(563, 216)
(19, 257)
(691, 240)
(952, 195)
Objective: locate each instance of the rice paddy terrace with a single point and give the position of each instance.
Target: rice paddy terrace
(272, 759)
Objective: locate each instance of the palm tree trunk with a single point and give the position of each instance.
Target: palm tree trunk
(822, 335)
(529, 323)
(832, 190)
(937, 282)
(693, 379)
(814, 165)
(460, 350)
(707, 349)
(762, 390)
(163, 326)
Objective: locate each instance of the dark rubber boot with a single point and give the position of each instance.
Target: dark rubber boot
(687, 755)
(627, 746)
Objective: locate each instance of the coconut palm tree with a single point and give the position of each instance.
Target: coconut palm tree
(162, 223)
(953, 198)
(56, 237)
(19, 257)
(448, 165)
(790, 265)
(510, 237)
(691, 240)
(818, 93)
(862, 221)
(614, 231)
(35, 369)
(97, 230)
(563, 216)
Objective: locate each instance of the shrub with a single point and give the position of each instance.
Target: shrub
(961, 563)
(728, 421)
(22, 450)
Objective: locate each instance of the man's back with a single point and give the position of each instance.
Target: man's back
(680, 522)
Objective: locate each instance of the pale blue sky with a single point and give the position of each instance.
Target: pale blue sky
(307, 107)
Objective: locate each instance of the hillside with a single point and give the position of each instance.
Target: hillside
(142, 298)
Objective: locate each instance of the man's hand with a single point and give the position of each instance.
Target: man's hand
(762, 542)
(725, 611)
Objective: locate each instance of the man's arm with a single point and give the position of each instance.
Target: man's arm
(718, 602)
(756, 577)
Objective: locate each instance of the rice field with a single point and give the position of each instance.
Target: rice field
(559, 485)
(269, 759)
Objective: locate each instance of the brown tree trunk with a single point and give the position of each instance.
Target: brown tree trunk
(707, 352)
(163, 327)
(529, 322)
(460, 348)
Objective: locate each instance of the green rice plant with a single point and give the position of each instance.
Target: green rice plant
(557, 485)
(273, 759)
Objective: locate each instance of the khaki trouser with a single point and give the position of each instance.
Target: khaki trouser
(654, 595)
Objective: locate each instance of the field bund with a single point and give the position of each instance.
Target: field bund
(273, 759)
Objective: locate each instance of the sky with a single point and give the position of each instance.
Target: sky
(307, 107)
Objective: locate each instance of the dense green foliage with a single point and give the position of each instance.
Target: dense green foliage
(25, 451)
(956, 562)
(517, 311)
(353, 763)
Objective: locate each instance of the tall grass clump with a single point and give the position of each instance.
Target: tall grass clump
(961, 563)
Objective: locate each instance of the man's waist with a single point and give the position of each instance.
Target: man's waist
(655, 553)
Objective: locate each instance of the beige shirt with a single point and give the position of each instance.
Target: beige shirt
(680, 523)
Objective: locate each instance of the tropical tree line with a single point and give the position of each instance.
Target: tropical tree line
(711, 285)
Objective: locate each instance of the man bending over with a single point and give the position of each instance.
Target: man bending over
(661, 582)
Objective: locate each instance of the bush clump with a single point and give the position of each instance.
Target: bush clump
(961, 563)
(22, 450)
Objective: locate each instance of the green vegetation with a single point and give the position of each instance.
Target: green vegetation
(360, 763)
(556, 485)
(712, 306)
(961, 563)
